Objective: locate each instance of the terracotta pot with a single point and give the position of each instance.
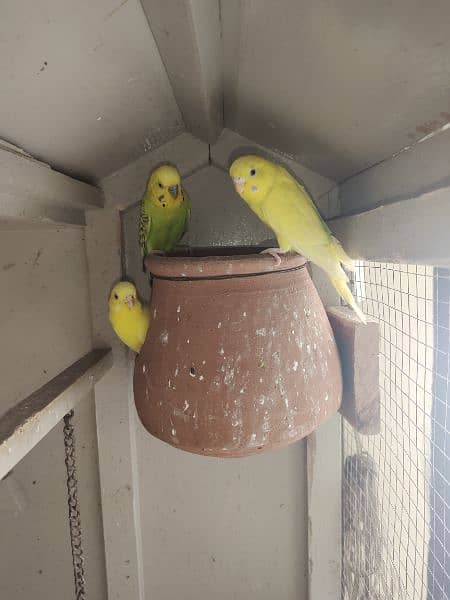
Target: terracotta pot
(240, 356)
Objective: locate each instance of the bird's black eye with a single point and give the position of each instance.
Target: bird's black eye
(253, 172)
(160, 184)
(116, 296)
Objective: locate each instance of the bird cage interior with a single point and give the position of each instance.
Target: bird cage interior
(225, 300)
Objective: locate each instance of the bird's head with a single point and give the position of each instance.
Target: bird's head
(252, 177)
(164, 185)
(123, 295)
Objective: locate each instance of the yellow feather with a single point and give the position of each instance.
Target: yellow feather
(129, 319)
(285, 206)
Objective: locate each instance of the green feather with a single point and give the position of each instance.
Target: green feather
(162, 226)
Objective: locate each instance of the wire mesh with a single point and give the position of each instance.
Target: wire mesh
(396, 492)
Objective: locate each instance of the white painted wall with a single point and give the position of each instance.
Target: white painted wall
(44, 327)
(222, 528)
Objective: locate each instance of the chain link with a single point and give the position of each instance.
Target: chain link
(74, 511)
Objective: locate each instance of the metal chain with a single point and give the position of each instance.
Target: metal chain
(74, 511)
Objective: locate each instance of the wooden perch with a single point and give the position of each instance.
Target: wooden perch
(358, 346)
(24, 425)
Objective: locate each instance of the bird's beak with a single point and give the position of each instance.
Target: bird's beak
(130, 301)
(173, 189)
(239, 184)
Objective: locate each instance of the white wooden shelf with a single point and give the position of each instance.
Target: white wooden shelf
(24, 425)
(32, 192)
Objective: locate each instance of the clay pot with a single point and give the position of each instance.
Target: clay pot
(240, 356)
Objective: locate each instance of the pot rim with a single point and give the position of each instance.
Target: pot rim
(220, 262)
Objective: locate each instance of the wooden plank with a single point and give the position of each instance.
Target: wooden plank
(32, 191)
(24, 425)
(421, 168)
(116, 417)
(195, 25)
(412, 231)
(324, 473)
(324, 510)
(358, 346)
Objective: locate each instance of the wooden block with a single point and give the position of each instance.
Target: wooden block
(358, 346)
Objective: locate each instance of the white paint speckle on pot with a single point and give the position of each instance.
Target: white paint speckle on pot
(229, 376)
(164, 337)
(295, 365)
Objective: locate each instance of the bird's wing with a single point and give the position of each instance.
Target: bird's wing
(145, 223)
(305, 195)
(291, 213)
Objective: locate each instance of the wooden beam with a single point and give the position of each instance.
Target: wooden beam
(324, 474)
(410, 173)
(324, 191)
(188, 36)
(116, 417)
(324, 510)
(412, 231)
(32, 191)
(24, 425)
(126, 186)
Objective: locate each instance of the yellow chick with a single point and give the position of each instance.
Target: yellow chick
(283, 204)
(129, 319)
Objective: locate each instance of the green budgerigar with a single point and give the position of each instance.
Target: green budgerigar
(165, 211)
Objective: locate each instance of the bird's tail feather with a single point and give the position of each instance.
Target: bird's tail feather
(343, 290)
(342, 255)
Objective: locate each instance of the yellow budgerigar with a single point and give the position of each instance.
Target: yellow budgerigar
(129, 319)
(165, 211)
(283, 204)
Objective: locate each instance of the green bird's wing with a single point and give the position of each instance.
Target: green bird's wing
(145, 224)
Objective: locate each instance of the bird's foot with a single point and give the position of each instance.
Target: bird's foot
(275, 253)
